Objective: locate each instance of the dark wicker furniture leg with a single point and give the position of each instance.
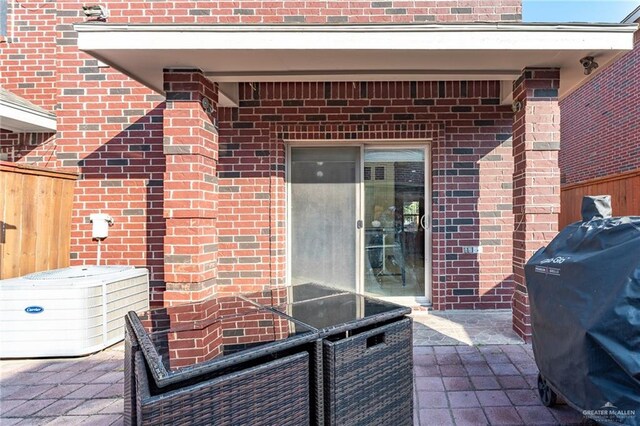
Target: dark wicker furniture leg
(131, 348)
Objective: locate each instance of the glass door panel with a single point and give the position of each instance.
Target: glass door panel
(323, 207)
(394, 222)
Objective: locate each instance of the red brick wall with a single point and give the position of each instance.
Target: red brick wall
(28, 147)
(471, 168)
(600, 122)
(109, 130)
(314, 11)
(110, 127)
(28, 60)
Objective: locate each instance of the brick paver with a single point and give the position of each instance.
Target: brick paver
(469, 416)
(478, 385)
(73, 391)
(454, 385)
(457, 383)
(28, 408)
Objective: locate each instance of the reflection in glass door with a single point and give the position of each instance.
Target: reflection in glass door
(394, 222)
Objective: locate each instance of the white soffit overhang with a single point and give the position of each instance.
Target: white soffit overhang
(20, 116)
(260, 53)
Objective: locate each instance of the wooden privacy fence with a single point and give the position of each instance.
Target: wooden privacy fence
(35, 219)
(624, 189)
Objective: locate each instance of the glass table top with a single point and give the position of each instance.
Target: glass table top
(324, 308)
(293, 294)
(182, 341)
(218, 328)
(194, 315)
(341, 310)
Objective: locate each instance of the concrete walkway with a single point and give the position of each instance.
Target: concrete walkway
(466, 328)
(455, 384)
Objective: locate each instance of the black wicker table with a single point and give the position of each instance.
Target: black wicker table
(288, 356)
(367, 351)
(223, 361)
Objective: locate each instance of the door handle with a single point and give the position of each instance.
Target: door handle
(359, 224)
(423, 222)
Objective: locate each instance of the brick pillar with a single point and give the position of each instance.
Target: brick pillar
(536, 177)
(190, 186)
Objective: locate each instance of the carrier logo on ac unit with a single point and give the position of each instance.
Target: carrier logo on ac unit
(34, 309)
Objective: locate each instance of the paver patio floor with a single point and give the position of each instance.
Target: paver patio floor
(455, 384)
(480, 385)
(69, 391)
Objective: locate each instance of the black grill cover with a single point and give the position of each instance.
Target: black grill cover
(584, 291)
(596, 207)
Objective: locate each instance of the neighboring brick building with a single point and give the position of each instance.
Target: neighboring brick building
(600, 125)
(601, 137)
(201, 172)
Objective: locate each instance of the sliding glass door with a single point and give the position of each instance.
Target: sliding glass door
(394, 222)
(359, 219)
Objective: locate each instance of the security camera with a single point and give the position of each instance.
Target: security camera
(588, 64)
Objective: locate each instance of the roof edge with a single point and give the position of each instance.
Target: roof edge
(22, 119)
(632, 17)
(35, 111)
(467, 27)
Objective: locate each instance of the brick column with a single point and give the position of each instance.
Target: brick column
(190, 186)
(536, 177)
